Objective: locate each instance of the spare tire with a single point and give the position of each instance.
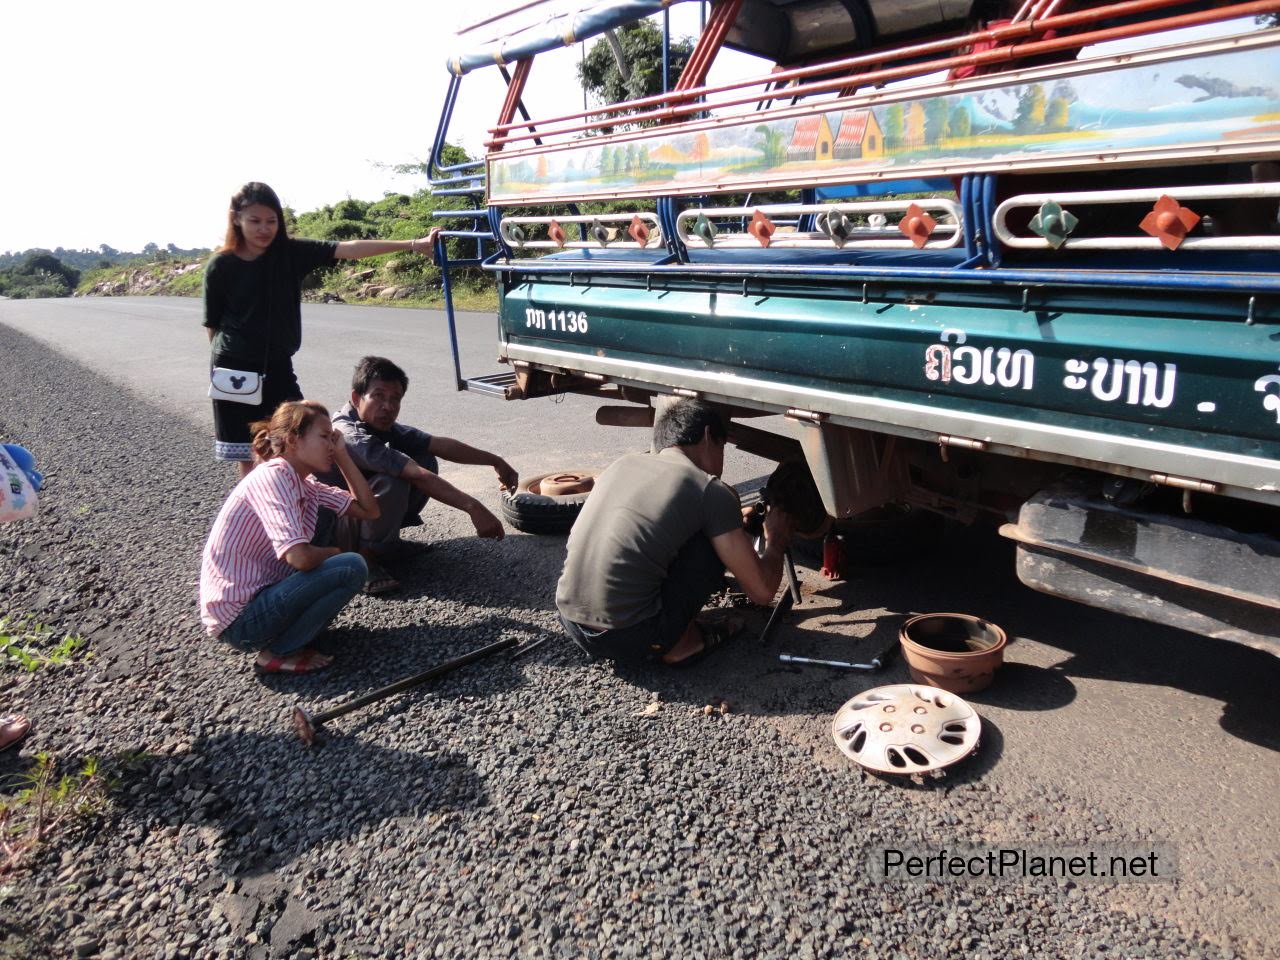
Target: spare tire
(530, 510)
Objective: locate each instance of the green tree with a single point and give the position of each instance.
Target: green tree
(349, 209)
(895, 127)
(1030, 109)
(936, 128)
(1058, 114)
(640, 73)
(46, 266)
(961, 122)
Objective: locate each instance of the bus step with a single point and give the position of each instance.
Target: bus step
(500, 385)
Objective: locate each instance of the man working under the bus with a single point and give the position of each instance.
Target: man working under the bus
(653, 541)
(401, 465)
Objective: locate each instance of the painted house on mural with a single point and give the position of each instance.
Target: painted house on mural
(859, 137)
(811, 139)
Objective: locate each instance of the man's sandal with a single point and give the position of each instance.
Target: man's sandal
(13, 729)
(380, 580)
(713, 635)
(304, 661)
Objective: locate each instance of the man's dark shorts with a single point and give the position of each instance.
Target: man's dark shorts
(694, 575)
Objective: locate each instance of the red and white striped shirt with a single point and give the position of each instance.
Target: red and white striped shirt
(269, 511)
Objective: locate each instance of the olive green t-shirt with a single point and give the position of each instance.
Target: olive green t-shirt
(255, 305)
(642, 510)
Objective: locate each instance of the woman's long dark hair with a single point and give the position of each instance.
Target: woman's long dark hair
(247, 196)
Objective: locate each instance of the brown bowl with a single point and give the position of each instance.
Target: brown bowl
(954, 651)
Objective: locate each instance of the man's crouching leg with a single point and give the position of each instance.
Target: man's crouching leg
(417, 500)
(695, 574)
(380, 537)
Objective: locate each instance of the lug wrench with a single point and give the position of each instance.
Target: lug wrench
(308, 725)
(879, 662)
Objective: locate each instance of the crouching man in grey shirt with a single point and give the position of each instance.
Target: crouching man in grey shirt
(402, 466)
(652, 543)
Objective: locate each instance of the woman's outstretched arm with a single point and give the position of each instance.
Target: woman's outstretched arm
(356, 249)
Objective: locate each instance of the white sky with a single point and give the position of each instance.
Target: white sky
(134, 121)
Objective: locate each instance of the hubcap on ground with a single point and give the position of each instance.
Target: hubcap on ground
(906, 728)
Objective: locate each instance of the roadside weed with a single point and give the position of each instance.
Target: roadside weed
(32, 645)
(48, 802)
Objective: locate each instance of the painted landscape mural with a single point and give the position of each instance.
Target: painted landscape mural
(1208, 100)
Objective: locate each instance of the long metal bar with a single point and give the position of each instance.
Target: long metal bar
(307, 723)
(1207, 283)
(996, 55)
(793, 582)
(666, 52)
(784, 604)
(515, 90)
(446, 290)
(987, 208)
(442, 128)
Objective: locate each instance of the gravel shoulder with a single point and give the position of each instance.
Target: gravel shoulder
(535, 808)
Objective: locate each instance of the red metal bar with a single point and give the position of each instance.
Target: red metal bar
(996, 34)
(998, 55)
(724, 13)
(515, 90)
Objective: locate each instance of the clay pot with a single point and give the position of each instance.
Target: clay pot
(954, 651)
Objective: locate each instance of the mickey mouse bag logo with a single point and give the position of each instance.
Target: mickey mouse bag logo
(238, 386)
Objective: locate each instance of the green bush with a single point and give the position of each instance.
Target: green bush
(349, 209)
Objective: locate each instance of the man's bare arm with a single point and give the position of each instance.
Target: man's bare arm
(758, 576)
(455, 451)
(437, 488)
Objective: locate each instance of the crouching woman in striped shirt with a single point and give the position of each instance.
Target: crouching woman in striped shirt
(263, 586)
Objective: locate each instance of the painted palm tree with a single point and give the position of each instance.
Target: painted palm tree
(771, 145)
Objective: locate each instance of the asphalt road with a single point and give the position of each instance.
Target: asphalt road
(1145, 733)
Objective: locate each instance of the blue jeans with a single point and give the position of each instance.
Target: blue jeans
(287, 615)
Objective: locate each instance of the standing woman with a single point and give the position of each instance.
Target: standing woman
(252, 306)
(263, 586)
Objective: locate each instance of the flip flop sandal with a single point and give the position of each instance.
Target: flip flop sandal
(13, 730)
(713, 635)
(380, 581)
(306, 661)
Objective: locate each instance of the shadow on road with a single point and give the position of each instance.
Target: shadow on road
(270, 800)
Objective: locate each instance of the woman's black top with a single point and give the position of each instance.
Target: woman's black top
(256, 305)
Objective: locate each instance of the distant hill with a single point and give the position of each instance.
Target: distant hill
(104, 256)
